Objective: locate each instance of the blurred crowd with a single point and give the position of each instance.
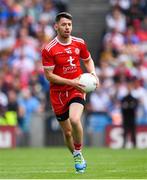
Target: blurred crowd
(123, 60)
(24, 27)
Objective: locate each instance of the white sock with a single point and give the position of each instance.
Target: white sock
(76, 152)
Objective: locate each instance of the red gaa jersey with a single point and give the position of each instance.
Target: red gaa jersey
(64, 59)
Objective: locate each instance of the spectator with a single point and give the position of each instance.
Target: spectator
(124, 5)
(115, 39)
(129, 106)
(139, 32)
(6, 40)
(116, 19)
(130, 36)
(46, 26)
(49, 10)
(134, 12)
(144, 23)
(28, 105)
(140, 92)
(95, 99)
(8, 109)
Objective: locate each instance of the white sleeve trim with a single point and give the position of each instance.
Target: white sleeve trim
(48, 67)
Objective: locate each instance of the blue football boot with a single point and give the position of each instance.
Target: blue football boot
(80, 164)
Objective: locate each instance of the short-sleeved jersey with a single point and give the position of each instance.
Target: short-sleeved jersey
(65, 59)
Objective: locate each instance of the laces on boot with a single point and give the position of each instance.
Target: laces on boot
(78, 159)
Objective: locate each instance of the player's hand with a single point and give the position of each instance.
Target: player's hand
(77, 84)
(97, 79)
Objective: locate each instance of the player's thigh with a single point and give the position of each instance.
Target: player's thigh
(75, 111)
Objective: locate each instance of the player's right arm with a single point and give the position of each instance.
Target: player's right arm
(62, 81)
(48, 65)
(55, 78)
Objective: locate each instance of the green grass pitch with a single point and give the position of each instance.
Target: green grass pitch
(57, 163)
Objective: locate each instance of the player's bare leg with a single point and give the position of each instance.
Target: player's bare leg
(67, 133)
(75, 113)
(73, 134)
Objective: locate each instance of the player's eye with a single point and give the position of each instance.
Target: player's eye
(66, 24)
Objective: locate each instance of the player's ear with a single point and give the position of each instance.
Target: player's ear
(55, 26)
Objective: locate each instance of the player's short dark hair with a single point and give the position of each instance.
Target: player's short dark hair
(63, 15)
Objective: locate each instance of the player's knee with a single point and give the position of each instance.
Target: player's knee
(74, 120)
(68, 134)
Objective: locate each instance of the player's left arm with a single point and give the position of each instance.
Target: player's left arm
(88, 61)
(90, 67)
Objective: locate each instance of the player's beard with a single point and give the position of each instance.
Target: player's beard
(65, 36)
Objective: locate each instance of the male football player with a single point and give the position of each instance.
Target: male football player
(61, 61)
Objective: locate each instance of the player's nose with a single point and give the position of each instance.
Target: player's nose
(67, 26)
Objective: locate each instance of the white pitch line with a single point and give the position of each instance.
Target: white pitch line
(27, 172)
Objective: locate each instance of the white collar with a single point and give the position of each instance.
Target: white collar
(64, 44)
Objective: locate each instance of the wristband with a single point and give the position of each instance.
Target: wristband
(94, 73)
